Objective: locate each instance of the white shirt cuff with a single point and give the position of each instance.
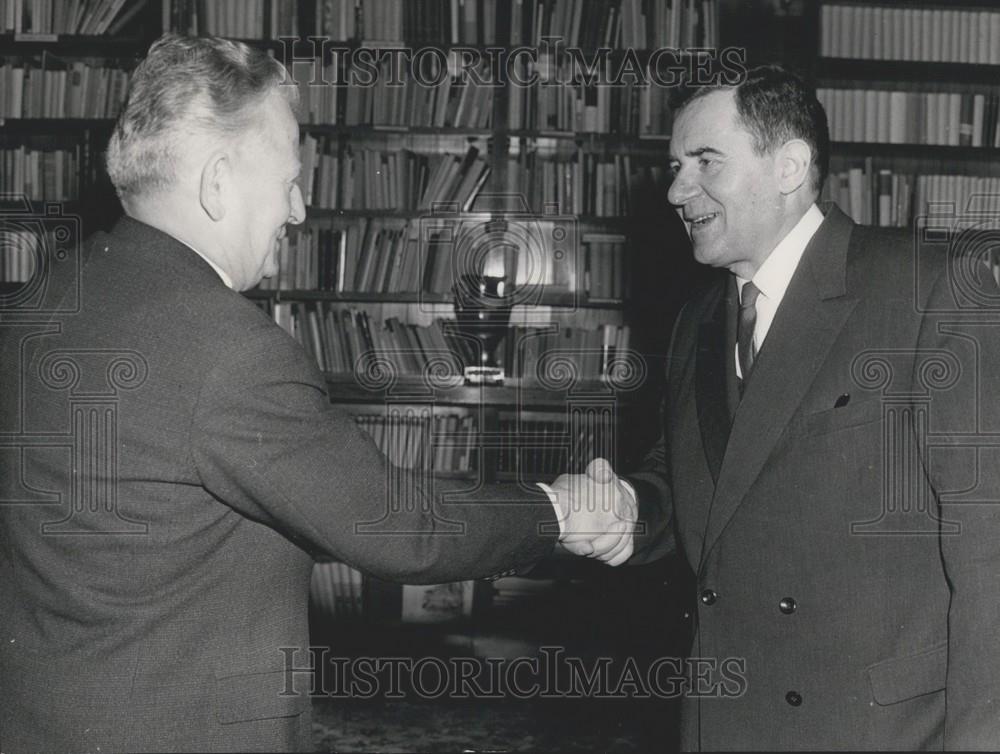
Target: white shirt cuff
(555, 504)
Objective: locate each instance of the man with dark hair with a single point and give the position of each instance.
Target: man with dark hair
(826, 462)
(155, 579)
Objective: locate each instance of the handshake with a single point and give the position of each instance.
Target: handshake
(597, 513)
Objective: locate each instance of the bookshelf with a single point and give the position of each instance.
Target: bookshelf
(361, 286)
(64, 70)
(380, 158)
(911, 92)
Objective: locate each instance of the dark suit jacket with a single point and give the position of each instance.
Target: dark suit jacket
(842, 525)
(207, 466)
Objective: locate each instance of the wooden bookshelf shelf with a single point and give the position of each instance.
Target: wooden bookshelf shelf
(932, 74)
(934, 4)
(509, 396)
(547, 298)
(323, 212)
(55, 125)
(75, 45)
(594, 139)
(362, 132)
(915, 151)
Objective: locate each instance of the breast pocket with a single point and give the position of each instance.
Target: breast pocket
(854, 414)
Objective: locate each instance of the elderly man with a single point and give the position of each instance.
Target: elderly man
(145, 607)
(828, 463)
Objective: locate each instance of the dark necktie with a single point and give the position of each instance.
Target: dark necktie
(744, 330)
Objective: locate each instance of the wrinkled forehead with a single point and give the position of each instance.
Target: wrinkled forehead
(704, 120)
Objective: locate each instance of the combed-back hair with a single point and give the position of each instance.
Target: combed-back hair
(774, 105)
(187, 86)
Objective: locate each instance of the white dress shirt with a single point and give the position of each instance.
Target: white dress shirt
(773, 277)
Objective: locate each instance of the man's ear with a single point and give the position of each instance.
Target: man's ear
(793, 163)
(215, 175)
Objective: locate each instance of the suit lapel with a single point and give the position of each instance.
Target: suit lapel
(811, 314)
(712, 377)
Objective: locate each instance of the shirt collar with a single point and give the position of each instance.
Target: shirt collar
(218, 270)
(772, 277)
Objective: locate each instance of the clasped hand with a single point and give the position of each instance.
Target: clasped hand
(598, 513)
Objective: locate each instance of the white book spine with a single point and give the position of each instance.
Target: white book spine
(954, 118)
(937, 32)
(994, 43)
(967, 40)
(884, 108)
(898, 117)
(826, 17)
(870, 134)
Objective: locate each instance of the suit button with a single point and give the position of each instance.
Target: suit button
(787, 605)
(708, 597)
(794, 698)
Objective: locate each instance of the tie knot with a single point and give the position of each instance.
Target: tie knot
(748, 296)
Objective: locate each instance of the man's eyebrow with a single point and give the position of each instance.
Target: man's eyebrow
(699, 151)
(696, 152)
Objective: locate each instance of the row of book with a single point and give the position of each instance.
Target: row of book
(359, 178)
(668, 23)
(628, 109)
(640, 24)
(579, 182)
(373, 20)
(878, 32)
(63, 16)
(413, 439)
(345, 340)
(240, 19)
(81, 89)
(392, 98)
(37, 175)
(543, 448)
(396, 99)
(385, 255)
(546, 356)
(872, 197)
(906, 117)
(336, 174)
(888, 198)
(533, 446)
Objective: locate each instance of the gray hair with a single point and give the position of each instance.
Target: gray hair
(187, 86)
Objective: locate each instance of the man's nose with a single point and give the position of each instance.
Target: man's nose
(681, 190)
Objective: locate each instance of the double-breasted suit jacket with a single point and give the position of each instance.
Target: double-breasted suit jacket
(842, 518)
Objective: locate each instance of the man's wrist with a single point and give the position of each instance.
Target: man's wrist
(553, 498)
